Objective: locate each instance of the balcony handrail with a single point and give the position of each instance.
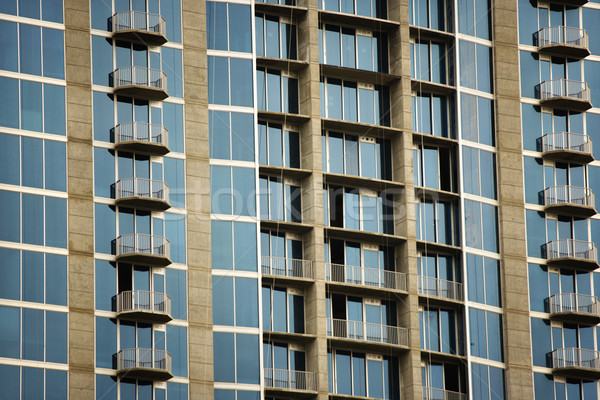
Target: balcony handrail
(143, 300)
(139, 21)
(575, 357)
(574, 302)
(567, 141)
(564, 88)
(571, 248)
(141, 131)
(144, 358)
(567, 194)
(139, 76)
(365, 276)
(290, 379)
(430, 393)
(142, 187)
(290, 267)
(560, 34)
(143, 243)
(367, 331)
(430, 286)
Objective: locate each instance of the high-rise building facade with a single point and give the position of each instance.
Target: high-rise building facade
(297, 199)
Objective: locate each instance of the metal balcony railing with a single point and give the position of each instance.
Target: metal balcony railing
(139, 21)
(574, 303)
(347, 329)
(291, 380)
(143, 300)
(567, 141)
(429, 286)
(575, 357)
(566, 194)
(141, 187)
(372, 277)
(430, 393)
(144, 358)
(141, 243)
(571, 248)
(576, 90)
(290, 267)
(563, 35)
(141, 131)
(139, 76)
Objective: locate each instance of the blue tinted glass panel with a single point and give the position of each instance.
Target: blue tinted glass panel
(31, 161)
(32, 384)
(33, 334)
(56, 222)
(173, 121)
(241, 82)
(224, 357)
(105, 228)
(10, 285)
(56, 337)
(55, 165)
(9, 159)
(175, 178)
(216, 25)
(104, 120)
(245, 246)
(33, 231)
(33, 277)
(177, 346)
(247, 358)
(8, 45)
(10, 332)
(53, 53)
(54, 109)
(218, 80)
(222, 302)
(30, 49)
(246, 302)
(221, 245)
(31, 106)
(171, 11)
(219, 134)
(102, 60)
(240, 29)
(106, 285)
(9, 98)
(10, 216)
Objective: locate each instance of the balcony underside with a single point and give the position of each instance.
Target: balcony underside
(152, 374)
(573, 262)
(575, 210)
(146, 316)
(144, 258)
(143, 202)
(567, 103)
(365, 345)
(579, 157)
(291, 393)
(577, 372)
(363, 290)
(145, 92)
(438, 300)
(142, 36)
(576, 317)
(140, 146)
(564, 50)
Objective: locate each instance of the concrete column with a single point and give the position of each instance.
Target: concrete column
(517, 352)
(198, 199)
(80, 172)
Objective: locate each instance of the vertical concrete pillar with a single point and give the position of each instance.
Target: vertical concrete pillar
(517, 352)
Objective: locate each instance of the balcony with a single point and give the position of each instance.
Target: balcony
(140, 82)
(288, 380)
(430, 393)
(441, 288)
(287, 267)
(570, 200)
(566, 146)
(567, 94)
(139, 26)
(141, 305)
(572, 253)
(141, 137)
(140, 248)
(142, 192)
(576, 362)
(148, 364)
(369, 332)
(363, 276)
(563, 41)
(574, 307)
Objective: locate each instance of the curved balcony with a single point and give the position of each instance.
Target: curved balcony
(139, 26)
(142, 192)
(572, 253)
(289, 380)
(363, 276)
(576, 362)
(146, 364)
(369, 332)
(563, 41)
(574, 307)
(140, 248)
(441, 288)
(287, 267)
(142, 137)
(567, 146)
(143, 305)
(430, 393)
(570, 200)
(567, 94)
(140, 82)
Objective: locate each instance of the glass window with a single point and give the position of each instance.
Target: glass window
(171, 11)
(177, 345)
(31, 106)
(102, 60)
(8, 43)
(30, 49)
(241, 82)
(216, 25)
(173, 122)
(9, 98)
(10, 332)
(176, 288)
(53, 53)
(54, 109)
